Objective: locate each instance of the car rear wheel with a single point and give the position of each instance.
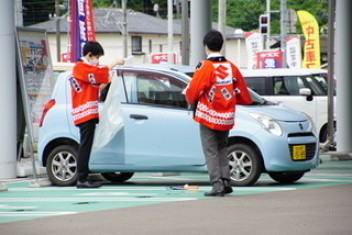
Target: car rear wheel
(286, 177)
(117, 176)
(245, 164)
(61, 165)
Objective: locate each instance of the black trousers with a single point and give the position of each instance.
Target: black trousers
(86, 130)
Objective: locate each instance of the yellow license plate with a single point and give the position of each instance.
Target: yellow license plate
(299, 152)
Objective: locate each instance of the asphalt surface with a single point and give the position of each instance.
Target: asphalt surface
(321, 204)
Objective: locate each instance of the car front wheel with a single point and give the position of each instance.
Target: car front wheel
(286, 177)
(61, 165)
(245, 164)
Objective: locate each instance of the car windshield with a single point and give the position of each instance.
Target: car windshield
(258, 100)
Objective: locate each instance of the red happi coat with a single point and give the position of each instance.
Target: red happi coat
(216, 87)
(85, 91)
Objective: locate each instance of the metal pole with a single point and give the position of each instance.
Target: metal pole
(124, 28)
(283, 29)
(18, 13)
(185, 33)
(239, 52)
(267, 43)
(8, 91)
(222, 23)
(58, 33)
(343, 75)
(170, 35)
(331, 72)
(200, 25)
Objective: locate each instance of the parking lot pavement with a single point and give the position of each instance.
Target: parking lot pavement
(320, 203)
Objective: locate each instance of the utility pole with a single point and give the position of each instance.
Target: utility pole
(8, 90)
(283, 29)
(170, 35)
(222, 23)
(124, 28)
(185, 32)
(331, 72)
(200, 26)
(58, 33)
(343, 70)
(268, 13)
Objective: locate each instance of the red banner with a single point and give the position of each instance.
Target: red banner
(82, 27)
(269, 59)
(161, 58)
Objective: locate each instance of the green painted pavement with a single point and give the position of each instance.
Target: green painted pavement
(23, 203)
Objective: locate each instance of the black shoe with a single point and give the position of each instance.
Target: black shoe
(88, 184)
(227, 186)
(227, 190)
(214, 194)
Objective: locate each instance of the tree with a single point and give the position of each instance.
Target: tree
(145, 6)
(244, 14)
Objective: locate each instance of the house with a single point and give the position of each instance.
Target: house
(147, 35)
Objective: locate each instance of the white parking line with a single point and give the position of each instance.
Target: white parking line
(139, 188)
(145, 188)
(39, 213)
(328, 180)
(96, 199)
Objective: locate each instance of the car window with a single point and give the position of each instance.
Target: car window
(257, 84)
(293, 84)
(322, 82)
(155, 89)
(286, 85)
(315, 86)
(280, 87)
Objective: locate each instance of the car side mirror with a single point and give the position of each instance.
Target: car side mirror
(306, 92)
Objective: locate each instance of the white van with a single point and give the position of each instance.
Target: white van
(301, 89)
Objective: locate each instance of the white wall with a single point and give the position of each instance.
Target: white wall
(113, 47)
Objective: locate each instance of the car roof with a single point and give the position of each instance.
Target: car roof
(62, 66)
(246, 72)
(184, 71)
(174, 67)
(280, 72)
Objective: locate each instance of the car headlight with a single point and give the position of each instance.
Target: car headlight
(268, 123)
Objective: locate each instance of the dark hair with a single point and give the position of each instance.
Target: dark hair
(213, 40)
(94, 48)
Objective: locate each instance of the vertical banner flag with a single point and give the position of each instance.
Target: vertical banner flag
(312, 45)
(293, 52)
(254, 44)
(81, 27)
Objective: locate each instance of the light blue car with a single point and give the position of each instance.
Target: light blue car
(159, 134)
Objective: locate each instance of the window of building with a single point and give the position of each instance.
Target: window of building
(150, 46)
(137, 45)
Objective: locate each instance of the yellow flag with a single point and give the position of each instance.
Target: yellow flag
(312, 45)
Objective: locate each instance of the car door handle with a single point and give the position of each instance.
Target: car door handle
(139, 117)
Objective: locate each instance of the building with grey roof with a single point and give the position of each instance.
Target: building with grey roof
(147, 35)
